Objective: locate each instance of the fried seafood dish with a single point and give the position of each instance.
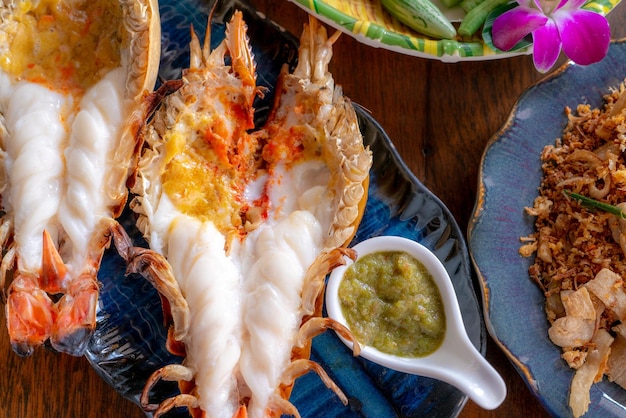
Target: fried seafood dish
(580, 244)
(72, 77)
(250, 220)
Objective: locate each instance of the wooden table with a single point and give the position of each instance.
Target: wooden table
(440, 116)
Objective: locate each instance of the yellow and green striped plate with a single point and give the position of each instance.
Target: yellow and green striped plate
(369, 23)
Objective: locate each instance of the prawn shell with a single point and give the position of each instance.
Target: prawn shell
(140, 54)
(331, 142)
(67, 52)
(143, 54)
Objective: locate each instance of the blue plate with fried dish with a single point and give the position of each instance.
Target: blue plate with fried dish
(509, 177)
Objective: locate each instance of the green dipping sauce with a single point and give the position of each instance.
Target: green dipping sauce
(391, 302)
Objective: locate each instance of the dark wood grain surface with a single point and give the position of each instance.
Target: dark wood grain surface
(440, 117)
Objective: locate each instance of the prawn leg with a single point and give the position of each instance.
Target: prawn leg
(154, 268)
(170, 373)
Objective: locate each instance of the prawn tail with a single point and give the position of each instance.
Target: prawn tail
(76, 315)
(33, 317)
(30, 314)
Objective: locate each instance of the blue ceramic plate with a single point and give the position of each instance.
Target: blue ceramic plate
(129, 343)
(510, 174)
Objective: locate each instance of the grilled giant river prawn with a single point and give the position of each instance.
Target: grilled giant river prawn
(250, 223)
(72, 77)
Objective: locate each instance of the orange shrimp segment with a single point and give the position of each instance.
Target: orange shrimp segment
(30, 314)
(76, 318)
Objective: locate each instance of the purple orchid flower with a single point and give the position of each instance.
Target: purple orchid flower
(584, 35)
